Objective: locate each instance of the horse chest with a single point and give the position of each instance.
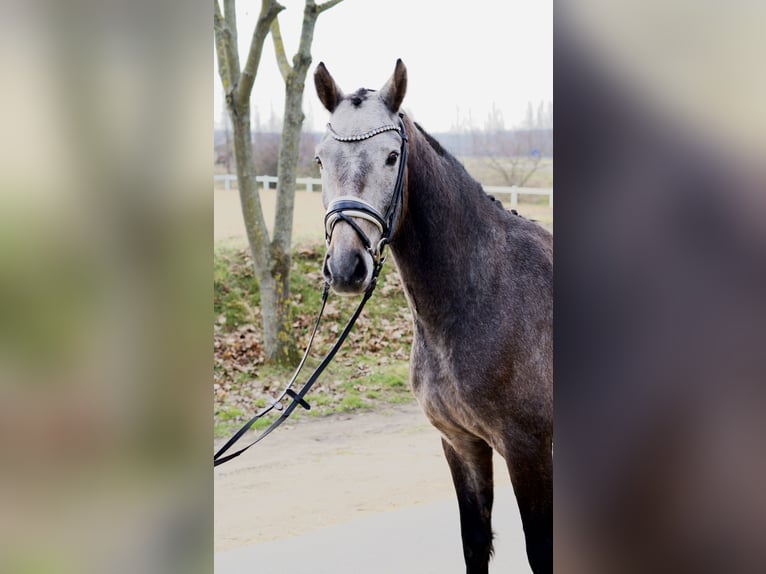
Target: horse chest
(442, 390)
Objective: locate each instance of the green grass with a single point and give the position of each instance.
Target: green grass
(321, 401)
(369, 371)
(225, 428)
(227, 421)
(235, 288)
(352, 401)
(231, 413)
(390, 380)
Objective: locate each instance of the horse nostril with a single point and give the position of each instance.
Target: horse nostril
(327, 270)
(360, 270)
(346, 271)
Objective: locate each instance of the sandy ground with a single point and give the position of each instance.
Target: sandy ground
(315, 474)
(308, 217)
(421, 539)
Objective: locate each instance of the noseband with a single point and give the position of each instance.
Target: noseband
(347, 208)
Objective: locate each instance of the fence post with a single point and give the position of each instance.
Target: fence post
(514, 198)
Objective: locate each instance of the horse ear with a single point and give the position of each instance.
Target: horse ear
(328, 91)
(394, 89)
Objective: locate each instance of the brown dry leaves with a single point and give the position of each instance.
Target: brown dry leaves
(382, 336)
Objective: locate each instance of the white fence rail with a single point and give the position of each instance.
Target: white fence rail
(514, 192)
(311, 183)
(267, 180)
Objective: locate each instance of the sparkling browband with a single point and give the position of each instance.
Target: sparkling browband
(364, 136)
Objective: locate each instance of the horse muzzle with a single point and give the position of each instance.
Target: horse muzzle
(348, 269)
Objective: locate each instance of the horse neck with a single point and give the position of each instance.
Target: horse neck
(443, 221)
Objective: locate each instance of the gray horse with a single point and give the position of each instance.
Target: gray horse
(479, 282)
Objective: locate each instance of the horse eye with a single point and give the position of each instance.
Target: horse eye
(391, 160)
(318, 161)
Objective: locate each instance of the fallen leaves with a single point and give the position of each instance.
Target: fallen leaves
(379, 342)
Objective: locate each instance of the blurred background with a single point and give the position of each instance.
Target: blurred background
(105, 290)
(660, 275)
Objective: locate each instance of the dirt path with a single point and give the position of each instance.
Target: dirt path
(308, 220)
(319, 473)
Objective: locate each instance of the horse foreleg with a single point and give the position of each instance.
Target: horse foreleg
(470, 463)
(531, 470)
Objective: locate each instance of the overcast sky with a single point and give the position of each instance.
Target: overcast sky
(461, 57)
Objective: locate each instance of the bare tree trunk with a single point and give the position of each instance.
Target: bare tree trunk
(276, 347)
(289, 150)
(281, 245)
(227, 140)
(288, 162)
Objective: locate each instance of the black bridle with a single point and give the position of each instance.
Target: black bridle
(341, 209)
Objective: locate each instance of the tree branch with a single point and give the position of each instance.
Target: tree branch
(295, 81)
(220, 51)
(498, 166)
(230, 16)
(269, 11)
(327, 5)
(279, 49)
(311, 12)
(535, 166)
(228, 65)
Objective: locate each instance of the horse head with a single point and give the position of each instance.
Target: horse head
(361, 163)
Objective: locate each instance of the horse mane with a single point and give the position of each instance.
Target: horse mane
(433, 154)
(431, 140)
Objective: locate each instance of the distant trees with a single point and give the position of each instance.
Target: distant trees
(266, 142)
(516, 155)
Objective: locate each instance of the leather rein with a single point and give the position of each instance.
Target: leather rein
(345, 209)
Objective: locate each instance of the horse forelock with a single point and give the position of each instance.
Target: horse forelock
(358, 97)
